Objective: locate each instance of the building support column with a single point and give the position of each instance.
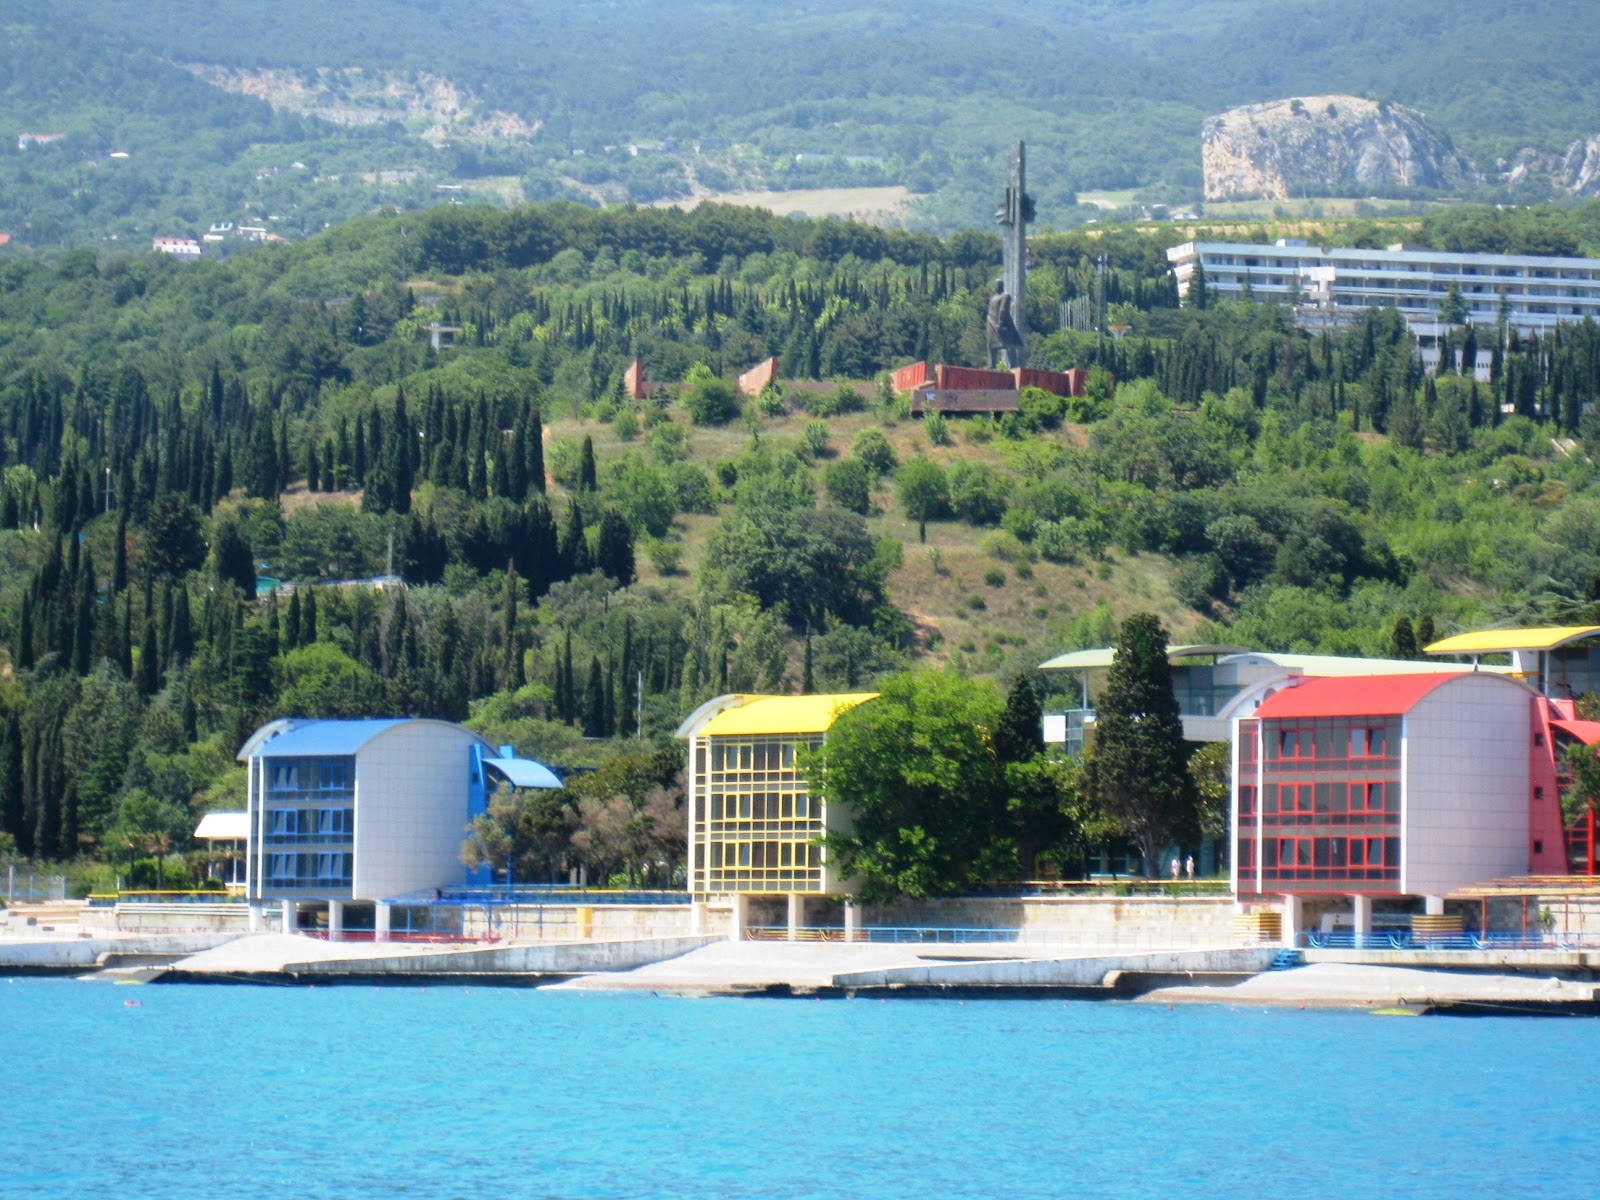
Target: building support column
(336, 920)
(797, 914)
(1293, 916)
(697, 917)
(851, 919)
(738, 917)
(289, 909)
(255, 918)
(382, 919)
(1361, 919)
(1433, 905)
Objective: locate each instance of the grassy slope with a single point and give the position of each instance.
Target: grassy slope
(1023, 620)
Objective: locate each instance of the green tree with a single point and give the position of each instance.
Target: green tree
(917, 770)
(234, 559)
(924, 492)
(174, 543)
(1138, 767)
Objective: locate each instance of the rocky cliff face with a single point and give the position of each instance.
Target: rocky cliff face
(1324, 145)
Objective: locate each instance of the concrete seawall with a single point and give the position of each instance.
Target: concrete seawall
(84, 954)
(1097, 971)
(573, 958)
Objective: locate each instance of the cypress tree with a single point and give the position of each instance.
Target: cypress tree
(1020, 734)
(594, 702)
(1138, 767)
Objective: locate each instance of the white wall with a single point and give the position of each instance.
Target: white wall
(411, 809)
(1467, 787)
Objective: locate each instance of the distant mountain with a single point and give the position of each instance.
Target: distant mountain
(1326, 146)
(660, 100)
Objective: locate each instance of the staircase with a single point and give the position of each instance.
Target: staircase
(1285, 960)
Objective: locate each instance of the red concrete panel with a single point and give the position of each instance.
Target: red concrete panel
(754, 381)
(633, 380)
(966, 379)
(910, 377)
(1057, 383)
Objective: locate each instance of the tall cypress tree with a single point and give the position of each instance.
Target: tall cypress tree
(1138, 767)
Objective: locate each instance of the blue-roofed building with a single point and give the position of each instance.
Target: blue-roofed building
(349, 812)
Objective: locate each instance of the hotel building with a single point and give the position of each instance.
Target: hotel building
(1536, 293)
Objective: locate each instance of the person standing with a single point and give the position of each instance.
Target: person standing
(1174, 867)
(1188, 866)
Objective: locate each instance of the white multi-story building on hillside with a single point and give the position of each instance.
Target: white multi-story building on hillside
(1535, 293)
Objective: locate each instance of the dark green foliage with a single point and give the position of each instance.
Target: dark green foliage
(235, 562)
(1137, 769)
(918, 769)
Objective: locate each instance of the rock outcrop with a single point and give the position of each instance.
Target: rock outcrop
(1325, 145)
(1579, 172)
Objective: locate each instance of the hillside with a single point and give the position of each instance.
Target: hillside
(663, 100)
(576, 561)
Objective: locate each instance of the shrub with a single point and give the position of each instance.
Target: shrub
(1007, 547)
(771, 402)
(937, 428)
(872, 448)
(664, 555)
(814, 439)
(995, 577)
(1040, 410)
(627, 424)
(977, 494)
(977, 603)
(669, 442)
(707, 399)
(843, 399)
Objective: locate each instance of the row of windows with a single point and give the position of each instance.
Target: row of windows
(1361, 796)
(763, 881)
(766, 754)
(286, 826)
(760, 855)
(1332, 853)
(321, 870)
(761, 806)
(310, 775)
(1332, 741)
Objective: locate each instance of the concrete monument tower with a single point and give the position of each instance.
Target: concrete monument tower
(1016, 210)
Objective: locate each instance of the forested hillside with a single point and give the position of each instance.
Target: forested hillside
(661, 99)
(577, 569)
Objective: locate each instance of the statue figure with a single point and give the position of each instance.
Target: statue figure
(1016, 210)
(1000, 329)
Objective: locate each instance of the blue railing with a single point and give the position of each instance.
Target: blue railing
(529, 895)
(1405, 939)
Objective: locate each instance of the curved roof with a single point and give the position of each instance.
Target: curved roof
(783, 714)
(296, 738)
(1362, 695)
(1102, 656)
(1501, 641)
(523, 772)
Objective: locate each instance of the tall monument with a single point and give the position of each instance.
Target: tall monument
(1016, 210)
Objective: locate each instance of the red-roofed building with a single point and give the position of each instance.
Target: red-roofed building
(1395, 786)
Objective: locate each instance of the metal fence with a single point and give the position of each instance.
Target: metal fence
(1406, 939)
(1066, 939)
(27, 888)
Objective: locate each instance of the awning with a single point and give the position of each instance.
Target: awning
(523, 772)
(224, 827)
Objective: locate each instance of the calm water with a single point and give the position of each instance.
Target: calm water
(456, 1092)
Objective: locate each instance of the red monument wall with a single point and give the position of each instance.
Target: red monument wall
(969, 379)
(633, 379)
(755, 380)
(910, 377)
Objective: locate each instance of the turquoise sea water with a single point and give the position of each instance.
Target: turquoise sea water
(486, 1093)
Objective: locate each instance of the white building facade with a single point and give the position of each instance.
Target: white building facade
(1535, 293)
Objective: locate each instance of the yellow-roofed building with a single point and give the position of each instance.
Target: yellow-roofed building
(1562, 661)
(754, 827)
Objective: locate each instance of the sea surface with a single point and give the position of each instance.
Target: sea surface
(183, 1092)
